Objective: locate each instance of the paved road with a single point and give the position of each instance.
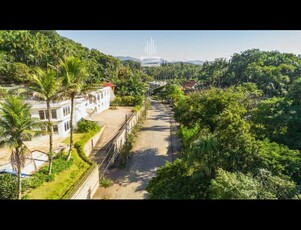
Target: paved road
(151, 151)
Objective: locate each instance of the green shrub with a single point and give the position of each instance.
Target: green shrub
(136, 108)
(86, 126)
(8, 187)
(106, 182)
(79, 146)
(38, 178)
(127, 101)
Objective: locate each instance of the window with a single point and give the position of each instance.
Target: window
(67, 126)
(90, 100)
(42, 114)
(98, 97)
(101, 96)
(55, 129)
(66, 110)
(53, 114)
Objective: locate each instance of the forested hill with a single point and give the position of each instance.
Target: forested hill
(272, 71)
(22, 50)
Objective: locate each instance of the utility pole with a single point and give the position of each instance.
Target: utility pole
(126, 128)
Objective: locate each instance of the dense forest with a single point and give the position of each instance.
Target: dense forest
(240, 131)
(22, 51)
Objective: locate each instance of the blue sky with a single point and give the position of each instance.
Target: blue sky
(186, 45)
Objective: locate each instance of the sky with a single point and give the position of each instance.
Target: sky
(186, 45)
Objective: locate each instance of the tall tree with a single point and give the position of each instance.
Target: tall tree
(46, 87)
(74, 75)
(16, 127)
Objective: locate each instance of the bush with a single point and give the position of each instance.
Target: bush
(127, 101)
(8, 187)
(136, 108)
(59, 165)
(81, 144)
(85, 126)
(106, 182)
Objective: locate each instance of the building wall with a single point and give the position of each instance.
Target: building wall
(83, 105)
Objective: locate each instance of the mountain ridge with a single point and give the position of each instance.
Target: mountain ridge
(129, 58)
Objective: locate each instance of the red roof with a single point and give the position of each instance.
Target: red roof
(108, 84)
(189, 83)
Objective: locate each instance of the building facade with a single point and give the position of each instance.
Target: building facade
(84, 106)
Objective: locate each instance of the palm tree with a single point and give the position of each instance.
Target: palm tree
(73, 84)
(16, 127)
(46, 87)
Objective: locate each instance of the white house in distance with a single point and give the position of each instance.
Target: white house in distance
(155, 84)
(151, 61)
(84, 106)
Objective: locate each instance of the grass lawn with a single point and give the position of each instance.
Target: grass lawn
(76, 137)
(62, 182)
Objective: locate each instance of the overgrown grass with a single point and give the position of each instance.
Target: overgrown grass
(59, 165)
(76, 137)
(65, 173)
(79, 145)
(63, 181)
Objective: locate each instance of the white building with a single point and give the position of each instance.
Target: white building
(94, 103)
(155, 84)
(151, 61)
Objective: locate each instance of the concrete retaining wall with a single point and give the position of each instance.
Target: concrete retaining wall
(92, 142)
(90, 183)
(88, 188)
(121, 138)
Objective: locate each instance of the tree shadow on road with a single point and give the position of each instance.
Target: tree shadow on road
(164, 117)
(141, 167)
(155, 128)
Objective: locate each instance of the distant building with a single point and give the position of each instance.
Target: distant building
(189, 85)
(110, 84)
(151, 61)
(155, 84)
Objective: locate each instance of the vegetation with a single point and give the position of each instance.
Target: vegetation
(73, 82)
(241, 129)
(232, 147)
(42, 61)
(65, 173)
(81, 144)
(169, 93)
(8, 187)
(106, 182)
(46, 87)
(130, 87)
(86, 126)
(63, 181)
(59, 165)
(17, 126)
